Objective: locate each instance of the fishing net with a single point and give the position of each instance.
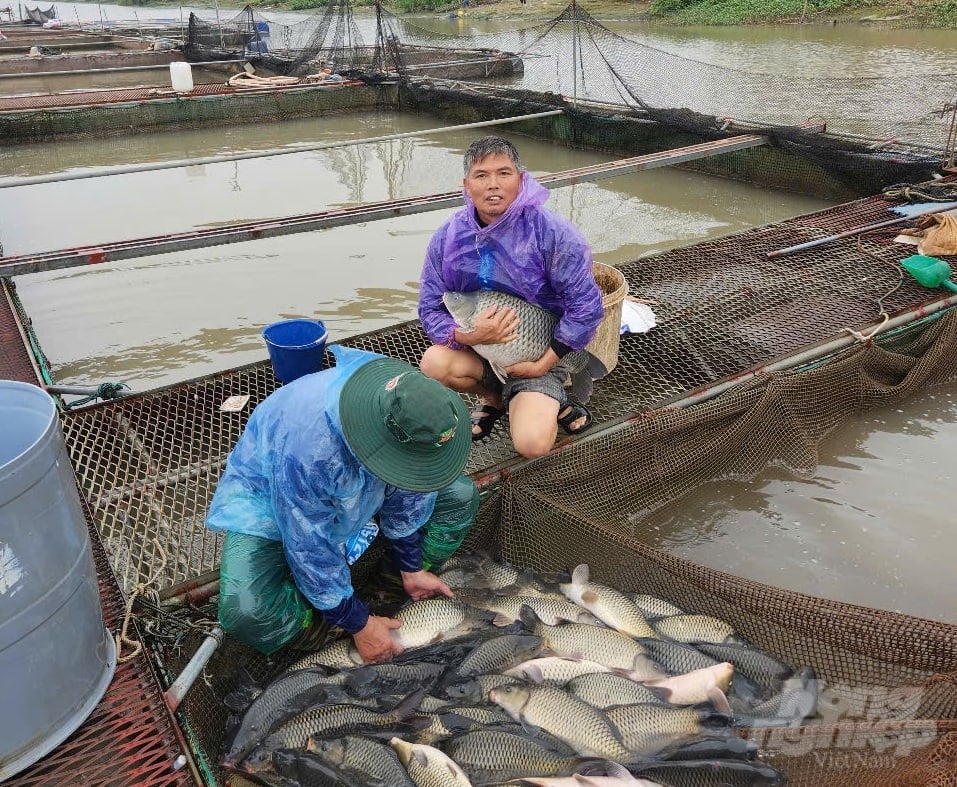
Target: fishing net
(865, 131)
(887, 682)
(148, 466)
(574, 55)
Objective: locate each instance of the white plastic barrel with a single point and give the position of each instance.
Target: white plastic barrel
(181, 76)
(56, 656)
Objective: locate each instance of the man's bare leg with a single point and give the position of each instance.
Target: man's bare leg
(533, 422)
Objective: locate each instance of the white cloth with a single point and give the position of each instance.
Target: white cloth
(636, 317)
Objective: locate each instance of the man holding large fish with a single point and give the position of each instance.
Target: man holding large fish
(324, 463)
(508, 298)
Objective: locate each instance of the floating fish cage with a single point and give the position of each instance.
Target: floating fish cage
(147, 466)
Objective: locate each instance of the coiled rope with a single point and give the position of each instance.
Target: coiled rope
(245, 80)
(141, 588)
(925, 192)
(104, 391)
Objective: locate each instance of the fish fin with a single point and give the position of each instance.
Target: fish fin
(420, 757)
(644, 664)
(663, 693)
(589, 597)
(617, 770)
(499, 371)
(241, 697)
(534, 674)
(530, 618)
(582, 386)
(501, 619)
(455, 723)
(596, 367)
(580, 574)
(726, 746)
(709, 717)
(719, 700)
(409, 704)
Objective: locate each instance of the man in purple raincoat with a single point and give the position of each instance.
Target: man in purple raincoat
(504, 240)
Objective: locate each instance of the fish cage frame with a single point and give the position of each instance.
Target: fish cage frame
(172, 443)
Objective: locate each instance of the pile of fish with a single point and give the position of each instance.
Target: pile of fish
(524, 679)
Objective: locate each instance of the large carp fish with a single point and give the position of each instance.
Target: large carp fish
(535, 330)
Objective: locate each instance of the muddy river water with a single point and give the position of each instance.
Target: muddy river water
(870, 527)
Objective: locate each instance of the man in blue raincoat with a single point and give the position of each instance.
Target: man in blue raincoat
(324, 463)
(505, 240)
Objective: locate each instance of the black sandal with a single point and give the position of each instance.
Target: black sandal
(576, 410)
(484, 417)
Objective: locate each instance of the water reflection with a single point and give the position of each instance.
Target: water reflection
(862, 529)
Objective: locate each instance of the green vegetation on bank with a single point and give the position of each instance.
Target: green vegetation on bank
(899, 13)
(909, 13)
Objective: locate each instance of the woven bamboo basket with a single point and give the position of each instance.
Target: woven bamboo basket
(614, 288)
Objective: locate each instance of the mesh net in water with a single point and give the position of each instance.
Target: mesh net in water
(574, 55)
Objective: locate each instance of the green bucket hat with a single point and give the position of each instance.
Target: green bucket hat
(407, 429)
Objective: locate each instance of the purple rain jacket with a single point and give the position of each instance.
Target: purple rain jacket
(528, 252)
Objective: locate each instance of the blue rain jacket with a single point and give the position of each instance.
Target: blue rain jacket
(528, 252)
(293, 478)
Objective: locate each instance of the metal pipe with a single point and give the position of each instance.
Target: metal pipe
(77, 390)
(71, 72)
(813, 353)
(194, 597)
(135, 168)
(174, 695)
(850, 233)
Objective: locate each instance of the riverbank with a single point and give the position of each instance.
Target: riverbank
(918, 13)
(897, 13)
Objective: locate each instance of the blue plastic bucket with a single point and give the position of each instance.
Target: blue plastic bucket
(296, 347)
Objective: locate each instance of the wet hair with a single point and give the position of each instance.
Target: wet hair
(488, 146)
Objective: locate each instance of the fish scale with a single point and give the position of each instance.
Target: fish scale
(586, 729)
(535, 331)
(327, 720)
(551, 610)
(610, 606)
(646, 729)
(494, 757)
(500, 653)
(555, 670)
(606, 689)
(375, 762)
(433, 620)
(697, 628)
(428, 766)
(287, 695)
(606, 646)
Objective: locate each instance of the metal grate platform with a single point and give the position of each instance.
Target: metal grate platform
(88, 98)
(149, 463)
(15, 361)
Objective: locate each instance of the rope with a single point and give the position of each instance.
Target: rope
(866, 337)
(104, 391)
(141, 588)
(245, 80)
(927, 192)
